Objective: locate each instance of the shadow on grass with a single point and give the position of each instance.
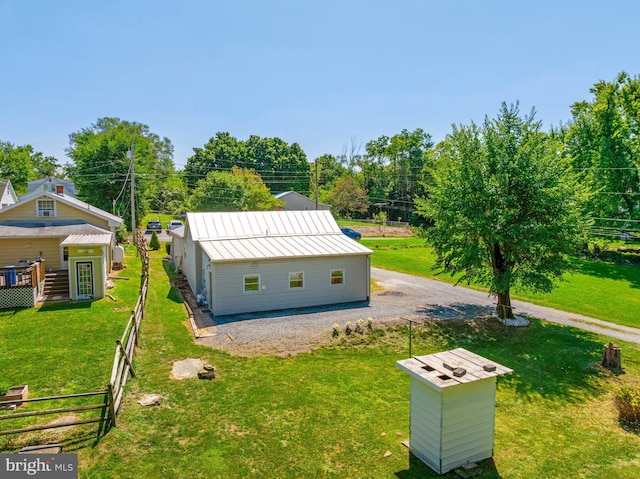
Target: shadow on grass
(417, 469)
(173, 294)
(64, 306)
(630, 273)
(548, 360)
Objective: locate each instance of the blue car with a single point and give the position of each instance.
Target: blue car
(353, 234)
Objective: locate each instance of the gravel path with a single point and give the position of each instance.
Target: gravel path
(404, 296)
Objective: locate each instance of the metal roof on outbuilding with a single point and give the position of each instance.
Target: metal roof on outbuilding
(254, 235)
(87, 240)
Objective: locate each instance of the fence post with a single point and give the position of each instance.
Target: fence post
(111, 401)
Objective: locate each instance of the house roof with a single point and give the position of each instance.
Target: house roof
(254, 235)
(177, 232)
(47, 229)
(69, 187)
(87, 240)
(112, 220)
(285, 194)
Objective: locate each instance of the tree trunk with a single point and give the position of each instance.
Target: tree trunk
(503, 308)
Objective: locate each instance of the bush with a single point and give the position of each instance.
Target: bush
(167, 247)
(627, 401)
(154, 244)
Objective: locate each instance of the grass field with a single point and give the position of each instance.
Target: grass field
(601, 290)
(334, 412)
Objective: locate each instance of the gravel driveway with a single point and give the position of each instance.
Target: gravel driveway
(404, 296)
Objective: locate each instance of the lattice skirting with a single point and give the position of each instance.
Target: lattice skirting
(17, 297)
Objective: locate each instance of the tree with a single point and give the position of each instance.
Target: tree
(154, 243)
(238, 190)
(101, 165)
(507, 208)
(394, 169)
(22, 164)
(603, 139)
(282, 167)
(348, 197)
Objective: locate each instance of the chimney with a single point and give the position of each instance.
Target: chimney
(60, 189)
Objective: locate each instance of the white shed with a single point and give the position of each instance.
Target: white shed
(452, 407)
(250, 261)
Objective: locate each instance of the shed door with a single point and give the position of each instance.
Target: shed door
(84, 275)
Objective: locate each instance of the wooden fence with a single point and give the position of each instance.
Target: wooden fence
(120, 372)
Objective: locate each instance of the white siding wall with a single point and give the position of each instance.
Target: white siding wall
(191, 266)
(467, 422)
(425, 440)
(229, 296)
(454, 426)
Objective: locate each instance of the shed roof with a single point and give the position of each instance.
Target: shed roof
(439, 370)
(87, 240)
(254, 235)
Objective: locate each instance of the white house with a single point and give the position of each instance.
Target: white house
(7, 195)
(252, 261)
(294, 201)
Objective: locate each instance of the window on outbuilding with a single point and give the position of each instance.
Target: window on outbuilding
(337, 276)
(46, 208)
(296, 280)
(251, 283)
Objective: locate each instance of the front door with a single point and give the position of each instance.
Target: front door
(84, 276)
(64, 262)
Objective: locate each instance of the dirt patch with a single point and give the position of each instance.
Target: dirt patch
(377, 230)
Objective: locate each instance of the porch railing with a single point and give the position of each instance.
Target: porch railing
(22, 275)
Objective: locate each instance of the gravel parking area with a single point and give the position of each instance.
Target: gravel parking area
(292, 331)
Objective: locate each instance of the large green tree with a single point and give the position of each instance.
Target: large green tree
(101, 164)
(283, 167)
(603, 139)
(348, 197)
(506, 207)
(393, 170)
(240, 189)
(22, 164)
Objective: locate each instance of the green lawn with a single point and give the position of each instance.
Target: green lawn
(601, 290)
(333, 412)
(336, 411)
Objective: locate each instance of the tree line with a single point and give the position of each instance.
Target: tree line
(385, 175)
(503, 203)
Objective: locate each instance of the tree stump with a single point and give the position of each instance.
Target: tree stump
(611, 358)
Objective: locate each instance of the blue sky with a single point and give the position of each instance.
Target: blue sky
(316, 73)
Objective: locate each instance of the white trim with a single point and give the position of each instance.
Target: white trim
(244, 284)
(40, 212)
(301, 280)
(341, 283)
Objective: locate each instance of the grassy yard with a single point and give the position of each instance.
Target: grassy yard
(601, 290)
(334, 412)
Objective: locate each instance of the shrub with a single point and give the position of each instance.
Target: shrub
(154, 244)
(167, 247)
(627, 401)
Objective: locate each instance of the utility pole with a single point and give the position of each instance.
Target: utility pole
(133, 196)
(316, 184)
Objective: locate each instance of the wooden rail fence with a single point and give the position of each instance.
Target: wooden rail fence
(120, 372)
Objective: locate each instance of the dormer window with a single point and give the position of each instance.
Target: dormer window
(46, 209)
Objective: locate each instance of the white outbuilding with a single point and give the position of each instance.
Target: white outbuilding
(453, 396)
(241, 262)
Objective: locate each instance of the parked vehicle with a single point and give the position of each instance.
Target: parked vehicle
(173, 225)
(154, 225)
(351, 233)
